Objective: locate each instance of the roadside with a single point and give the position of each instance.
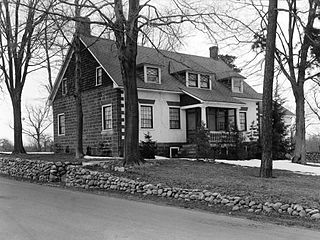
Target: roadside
(228, 186)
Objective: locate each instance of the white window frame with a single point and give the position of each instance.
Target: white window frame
(58, 120)
(198, 80)
(145, 73)
(241, 85)
(65, 87)
(97, 69)
(102, 117)
(246, 121)
(146, 105)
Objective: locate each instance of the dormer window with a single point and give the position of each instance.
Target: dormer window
(192, 80)
(152, 74)
(237, 85)
(98, 76)
(198, 80)
(204, 81)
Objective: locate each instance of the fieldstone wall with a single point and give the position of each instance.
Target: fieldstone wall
(74, 175)
(36, 170)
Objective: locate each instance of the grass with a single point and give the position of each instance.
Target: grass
(232, 180)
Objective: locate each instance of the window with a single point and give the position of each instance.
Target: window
(192, 80)
(98, 76)
(243, 121)
(174, 118)
(152, 75)
(61, 124)
(204, 81)
(106, 117)
(237, 85)
(64, 86)
(146, 116)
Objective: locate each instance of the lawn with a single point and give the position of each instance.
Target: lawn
(232, 180)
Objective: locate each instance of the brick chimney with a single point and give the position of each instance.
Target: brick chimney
(83, 25)
(214, 52)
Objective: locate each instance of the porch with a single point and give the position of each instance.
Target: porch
(221, 121)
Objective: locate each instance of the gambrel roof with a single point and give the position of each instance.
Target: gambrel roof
(105, 52)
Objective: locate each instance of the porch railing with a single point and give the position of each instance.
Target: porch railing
(222, 137)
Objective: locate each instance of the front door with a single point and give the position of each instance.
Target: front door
(193, 122)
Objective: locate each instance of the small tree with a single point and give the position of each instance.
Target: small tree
(148, 147)
(280, 142)
(202, 141)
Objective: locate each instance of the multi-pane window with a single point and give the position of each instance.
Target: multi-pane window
(174, 118)
(237, 85)
(106, 117)
(192, 80)
(153, 75)
(98, 76)
(61, 124)
(204, 81)
(243, 121)
(64, 86)
(146, 118)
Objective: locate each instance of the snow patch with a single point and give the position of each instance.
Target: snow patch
(279, 164)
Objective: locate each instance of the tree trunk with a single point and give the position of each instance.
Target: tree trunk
(131, 140)
(77, 95)
(18, 144)
(266, 141)
(300, 136)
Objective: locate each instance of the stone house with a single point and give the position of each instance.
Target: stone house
(176, 93)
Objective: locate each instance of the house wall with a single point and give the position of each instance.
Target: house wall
(252, 111)
(161, 131)
(93, 98)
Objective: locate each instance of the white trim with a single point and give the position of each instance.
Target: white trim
(156, 90)
(97, 68)
(192, 96)
(241, 85)
(58, 120)
(214, 104)
(114, 82)
(61, 74)
(147, 105)
(173, 148)
(249, 99)
(145, 73)
(102, 117)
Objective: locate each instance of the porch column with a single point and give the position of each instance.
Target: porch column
(204, 115)
(238, 118)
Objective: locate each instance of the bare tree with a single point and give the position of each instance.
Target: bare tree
(20, 28)
(266, 141)
(36, 122)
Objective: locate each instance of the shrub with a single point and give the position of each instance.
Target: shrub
(148, 147)
(201, 140)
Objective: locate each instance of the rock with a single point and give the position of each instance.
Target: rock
(285, 206)
(302, 213)
(149, 192)
(266, 209)
(315, 216)
(207, 194)
(298, 207)
(225, 201)
(252, 203)
(277, 206)
(250, 210)
(235, 208)
(290, 210)
(160, 191)
(314, 211)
